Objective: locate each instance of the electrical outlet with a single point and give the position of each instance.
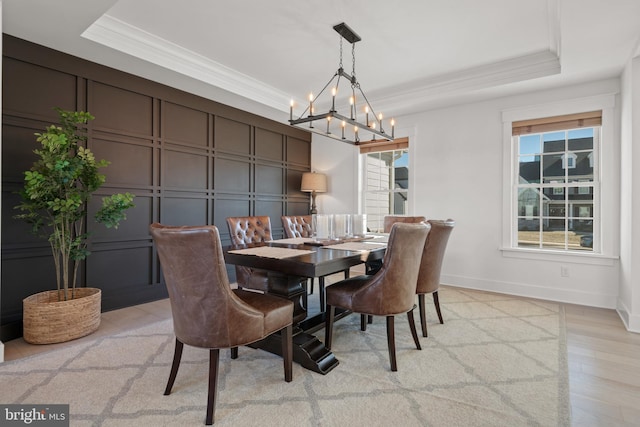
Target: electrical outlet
(564, 271)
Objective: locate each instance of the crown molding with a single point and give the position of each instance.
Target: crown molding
(131, 40)
(534, 65)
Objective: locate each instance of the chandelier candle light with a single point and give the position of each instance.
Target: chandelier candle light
(357, 102)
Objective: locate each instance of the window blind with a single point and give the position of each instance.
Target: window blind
(548, 124)
(375, 146)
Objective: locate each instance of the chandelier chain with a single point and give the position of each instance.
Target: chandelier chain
(340, 66)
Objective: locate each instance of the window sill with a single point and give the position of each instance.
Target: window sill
(550, 255)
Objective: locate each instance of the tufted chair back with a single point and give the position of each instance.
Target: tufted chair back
(389, 220)
(297, 226)
(249, 229)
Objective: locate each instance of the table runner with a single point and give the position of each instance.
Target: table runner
(271, 252)
(356, 246)
(295, 240)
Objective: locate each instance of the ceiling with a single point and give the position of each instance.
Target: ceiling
(414, 54)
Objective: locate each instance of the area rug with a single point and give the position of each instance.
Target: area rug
(496, 361)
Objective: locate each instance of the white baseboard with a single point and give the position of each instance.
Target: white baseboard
(631, 321)
(570, 296)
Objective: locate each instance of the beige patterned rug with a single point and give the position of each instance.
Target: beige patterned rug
(497, 361)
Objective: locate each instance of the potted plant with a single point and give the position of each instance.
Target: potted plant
(54, 201)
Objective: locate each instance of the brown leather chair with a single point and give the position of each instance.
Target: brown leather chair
(206, 312)
(389, 220)
(301, 226)
(391, 291)
(431, 266)
(372, 267)
(297, 226)
(250, 229)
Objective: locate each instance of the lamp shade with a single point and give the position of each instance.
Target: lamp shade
(312, 181)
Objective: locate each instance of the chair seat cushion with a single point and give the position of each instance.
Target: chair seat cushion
(278, 312)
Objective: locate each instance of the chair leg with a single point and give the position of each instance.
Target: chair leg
(214, 357)
(322, 294)
(363, 322)
(311, 290)
(436, 301)
(328, 326)
(177, 355)
(391, 343)
(369, 319)
(423, 315)
(412, 326)
(287, 352)
(234, 352)
(346, 273)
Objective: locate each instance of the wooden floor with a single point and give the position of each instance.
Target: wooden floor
(604, 368)
(604, 360)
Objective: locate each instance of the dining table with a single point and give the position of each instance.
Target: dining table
(289, 263)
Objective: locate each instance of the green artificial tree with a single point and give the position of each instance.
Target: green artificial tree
(56, 193)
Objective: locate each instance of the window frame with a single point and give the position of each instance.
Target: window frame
(364, 171)
(563, 187)
(608, 225)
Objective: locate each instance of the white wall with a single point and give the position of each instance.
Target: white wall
(460, 152)
(629, 291)
(339, 161)
(457, 172)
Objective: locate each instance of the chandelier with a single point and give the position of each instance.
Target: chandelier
(344, 124)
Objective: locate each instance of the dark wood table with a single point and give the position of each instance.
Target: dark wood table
(287, 279)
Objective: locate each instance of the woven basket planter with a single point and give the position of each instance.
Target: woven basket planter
(47, 320)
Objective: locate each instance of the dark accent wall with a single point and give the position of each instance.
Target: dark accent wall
(187, 159)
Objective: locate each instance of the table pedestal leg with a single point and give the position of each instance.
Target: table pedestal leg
(308, 350)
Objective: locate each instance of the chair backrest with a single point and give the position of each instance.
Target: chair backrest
(389, 220)
(249, 229)
(393, 287)
(433, 254)
(297, 226)
(206, 313)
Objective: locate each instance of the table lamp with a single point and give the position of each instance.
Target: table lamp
(313, 183)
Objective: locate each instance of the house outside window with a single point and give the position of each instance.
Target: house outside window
(556, 196)
(385, 178)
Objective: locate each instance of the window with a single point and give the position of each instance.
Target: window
(385, 178)
(569, 161)
(556, 191)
